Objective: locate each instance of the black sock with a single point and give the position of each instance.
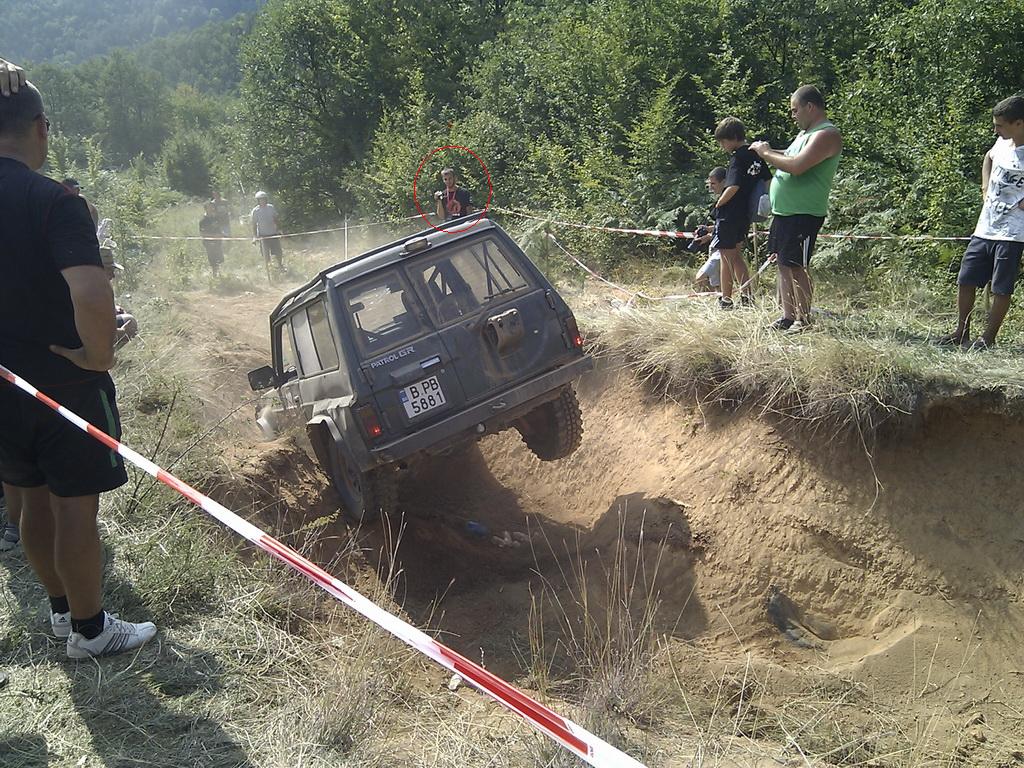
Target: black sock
(59, 604)
(90, 627)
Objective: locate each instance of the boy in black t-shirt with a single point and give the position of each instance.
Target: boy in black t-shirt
(733, 207)
(453, 201)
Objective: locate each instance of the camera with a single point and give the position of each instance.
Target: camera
(438, 195)
(693, 246)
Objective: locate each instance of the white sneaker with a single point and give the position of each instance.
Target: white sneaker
(117, 636)
(61, 623)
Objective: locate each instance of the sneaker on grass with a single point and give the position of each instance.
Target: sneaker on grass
(61, 624)
(117, 636)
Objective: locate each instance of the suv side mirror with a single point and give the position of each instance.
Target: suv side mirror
(262, 378)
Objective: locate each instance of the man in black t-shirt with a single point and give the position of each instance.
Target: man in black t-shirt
(453, 201)
(733, 207)
(49, 258)
(211, 227)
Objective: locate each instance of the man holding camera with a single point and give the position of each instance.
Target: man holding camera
(709, 276)
(799, 194)
(453, 201)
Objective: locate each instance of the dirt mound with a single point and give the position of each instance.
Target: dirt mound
(902, 568)
(898, 565)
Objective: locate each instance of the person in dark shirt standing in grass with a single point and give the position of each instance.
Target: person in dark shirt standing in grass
(732, 210)
(211, 227)
(453, 201)
(49, 257)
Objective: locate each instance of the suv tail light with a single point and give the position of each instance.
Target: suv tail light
(368, 421)
(573, 333)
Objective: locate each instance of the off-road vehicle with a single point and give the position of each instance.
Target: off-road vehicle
(420, 346)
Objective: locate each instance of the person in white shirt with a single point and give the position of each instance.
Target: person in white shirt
(994, 252)
(266, 230)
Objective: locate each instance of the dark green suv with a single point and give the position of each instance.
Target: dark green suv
(417, 347)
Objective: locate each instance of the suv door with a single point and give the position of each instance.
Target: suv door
(321, 375)
(402, 357)
(496, 316)
(285, 366)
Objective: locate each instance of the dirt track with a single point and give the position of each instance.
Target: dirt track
(909, 583)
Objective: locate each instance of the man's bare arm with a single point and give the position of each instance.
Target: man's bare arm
(986, 173)
(822, 145)
(93, 301)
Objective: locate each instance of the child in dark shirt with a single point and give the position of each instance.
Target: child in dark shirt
(709, 276)
(733, 207)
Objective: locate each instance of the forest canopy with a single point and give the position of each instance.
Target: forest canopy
(600, 110)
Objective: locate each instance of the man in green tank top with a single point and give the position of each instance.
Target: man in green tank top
(799, 194)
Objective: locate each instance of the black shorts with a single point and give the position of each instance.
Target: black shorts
(40, 447)
(792, 238)
(995, 261)
(731, 232)
(271, 245)
(214, 252)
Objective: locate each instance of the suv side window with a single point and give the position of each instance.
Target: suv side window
(383, 312)
(313, 339)
(458, 283)
(326, 349)
(309, 363)
(287, 349)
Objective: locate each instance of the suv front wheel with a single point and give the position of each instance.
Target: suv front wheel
(553, 430)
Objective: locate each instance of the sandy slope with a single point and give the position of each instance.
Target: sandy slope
(901, 576)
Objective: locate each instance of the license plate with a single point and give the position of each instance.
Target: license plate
(421, 397)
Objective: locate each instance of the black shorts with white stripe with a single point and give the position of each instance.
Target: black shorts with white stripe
(792, 238)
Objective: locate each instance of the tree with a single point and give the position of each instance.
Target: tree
(188, 158)
(920, 103)
(134, 113)
(307, 101)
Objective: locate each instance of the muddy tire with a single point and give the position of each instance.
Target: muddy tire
(553, 430)
(365, 496)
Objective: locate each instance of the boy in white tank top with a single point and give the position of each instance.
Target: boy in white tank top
(994, 253)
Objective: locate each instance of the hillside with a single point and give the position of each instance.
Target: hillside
(67, 31)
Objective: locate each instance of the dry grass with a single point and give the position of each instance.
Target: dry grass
(254, 667)
(856, 370)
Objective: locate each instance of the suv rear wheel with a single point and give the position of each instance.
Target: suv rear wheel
(365, 496)
(553, 430)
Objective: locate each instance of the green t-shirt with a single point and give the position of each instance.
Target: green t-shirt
(808, 192)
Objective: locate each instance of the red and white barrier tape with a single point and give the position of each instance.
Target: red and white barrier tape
(690, 235)
(564, 732)
(620, 230)
(281, 236)
(634, 295)
(920, 238)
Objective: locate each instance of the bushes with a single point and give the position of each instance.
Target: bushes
(187, 158)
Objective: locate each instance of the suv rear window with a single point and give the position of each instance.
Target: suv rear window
(459, 282)
(383, 312)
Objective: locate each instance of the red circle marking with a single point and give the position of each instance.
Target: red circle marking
(490, 189)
